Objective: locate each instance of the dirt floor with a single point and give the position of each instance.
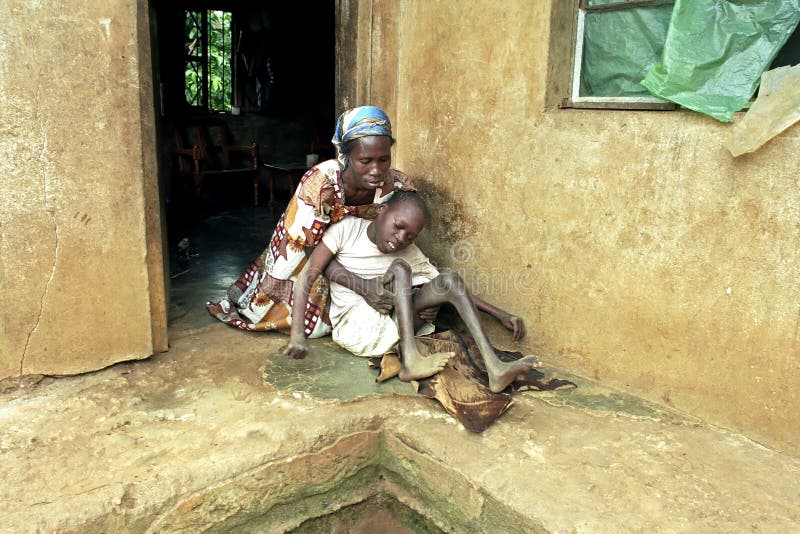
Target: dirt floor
(159, 445)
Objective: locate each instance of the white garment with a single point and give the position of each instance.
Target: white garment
(356, 325)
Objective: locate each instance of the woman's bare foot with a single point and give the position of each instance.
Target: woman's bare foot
(416, 366)
(501, 373)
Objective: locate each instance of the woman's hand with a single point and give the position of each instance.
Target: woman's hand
(371, 289)
(513, 324)
(297, 349)
(429, 314)
(377, 296)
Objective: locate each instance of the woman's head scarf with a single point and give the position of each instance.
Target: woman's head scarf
(359, 122)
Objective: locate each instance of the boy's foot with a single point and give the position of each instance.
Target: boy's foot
(503, 373)
(417, 368)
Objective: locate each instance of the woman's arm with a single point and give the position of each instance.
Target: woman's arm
(371, 289)
(320, 258)
(511, 322)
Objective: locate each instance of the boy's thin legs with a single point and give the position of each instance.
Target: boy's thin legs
(450, 287)
(415, 366)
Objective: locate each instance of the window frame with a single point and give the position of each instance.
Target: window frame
(575, 100)
(203, 58)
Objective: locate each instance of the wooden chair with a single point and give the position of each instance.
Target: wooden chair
(204, 149)
(323, 148)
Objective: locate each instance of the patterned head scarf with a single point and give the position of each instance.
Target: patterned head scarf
(359, 122)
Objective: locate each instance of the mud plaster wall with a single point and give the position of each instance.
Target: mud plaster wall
(73, 258)
(366, 35)
(639, 252)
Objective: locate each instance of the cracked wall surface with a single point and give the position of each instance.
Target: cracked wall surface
(72, 230)
(638, 250)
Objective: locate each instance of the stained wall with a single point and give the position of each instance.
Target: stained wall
(638, 250)
(80, 250)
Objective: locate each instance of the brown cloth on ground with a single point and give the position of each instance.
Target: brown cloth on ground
(463, 386)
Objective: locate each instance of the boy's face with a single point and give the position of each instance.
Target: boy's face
(396, 226)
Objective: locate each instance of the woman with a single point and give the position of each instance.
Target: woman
(352, 184)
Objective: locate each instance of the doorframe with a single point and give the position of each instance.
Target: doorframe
(157, 260)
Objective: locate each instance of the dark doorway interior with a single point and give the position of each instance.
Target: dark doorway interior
(275, 64)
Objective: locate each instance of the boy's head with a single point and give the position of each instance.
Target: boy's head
(399, 222)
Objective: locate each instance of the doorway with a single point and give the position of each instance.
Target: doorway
(266, 72)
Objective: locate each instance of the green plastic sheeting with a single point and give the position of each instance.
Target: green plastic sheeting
(608, 2)
(619, 48)
(604, 2)
(716, 51)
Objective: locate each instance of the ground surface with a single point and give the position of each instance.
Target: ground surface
(126, 448)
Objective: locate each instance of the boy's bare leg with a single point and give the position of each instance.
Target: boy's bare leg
(415, 365)
(450, 287)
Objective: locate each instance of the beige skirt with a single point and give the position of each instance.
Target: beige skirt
(364, 331)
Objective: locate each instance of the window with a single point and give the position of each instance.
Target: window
(704, 55)
(790, 53)
(208, 77)
(617, 42)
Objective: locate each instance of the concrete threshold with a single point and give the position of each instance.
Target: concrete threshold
(196, 440)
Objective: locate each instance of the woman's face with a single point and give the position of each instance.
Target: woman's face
(370, 159)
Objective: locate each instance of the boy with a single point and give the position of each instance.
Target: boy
(384, 248)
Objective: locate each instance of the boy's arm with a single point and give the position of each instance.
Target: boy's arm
(371, 289)
(513, 323)
(320, 258)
